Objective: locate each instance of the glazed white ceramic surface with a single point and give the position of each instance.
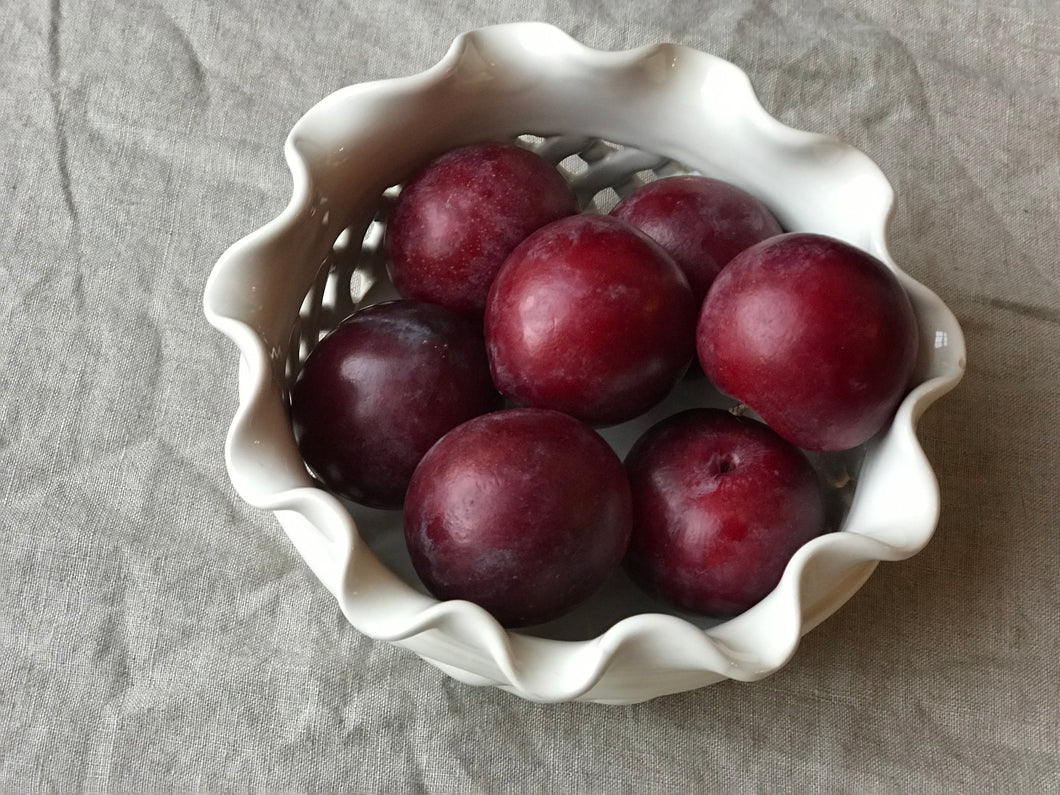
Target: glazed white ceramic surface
(664, 108)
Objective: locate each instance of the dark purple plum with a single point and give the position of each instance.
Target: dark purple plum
(591, 317)
(525, 512)
(814, 334)
(380, 389)
(701, 222)
(456, 220)
(720, 505)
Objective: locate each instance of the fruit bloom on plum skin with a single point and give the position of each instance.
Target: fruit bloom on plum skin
(591, 317)
(701, 222)
(456, 220)
(720, 505)
(525, 512)
(380, 389)
(815, 335)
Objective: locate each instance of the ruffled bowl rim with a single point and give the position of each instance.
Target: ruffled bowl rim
(642, 656)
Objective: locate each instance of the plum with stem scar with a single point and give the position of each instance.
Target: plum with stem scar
(720, 505)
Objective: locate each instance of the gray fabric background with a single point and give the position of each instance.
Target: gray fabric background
(156, 635)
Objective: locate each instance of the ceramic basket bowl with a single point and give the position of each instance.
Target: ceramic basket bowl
(610, 120)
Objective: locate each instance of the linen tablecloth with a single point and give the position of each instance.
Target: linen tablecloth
(158, 635)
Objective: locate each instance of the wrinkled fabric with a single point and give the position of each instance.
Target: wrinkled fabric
(158, 635)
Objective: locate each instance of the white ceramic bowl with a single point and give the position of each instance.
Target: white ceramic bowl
(611, 119)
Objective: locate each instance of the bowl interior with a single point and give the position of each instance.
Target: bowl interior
(353, 275)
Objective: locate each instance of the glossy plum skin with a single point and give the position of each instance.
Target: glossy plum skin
(720, 505)
(380, 389)
(525, 512)
(457, 219)
(701, 222)
(815, 335)
(590, 317)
